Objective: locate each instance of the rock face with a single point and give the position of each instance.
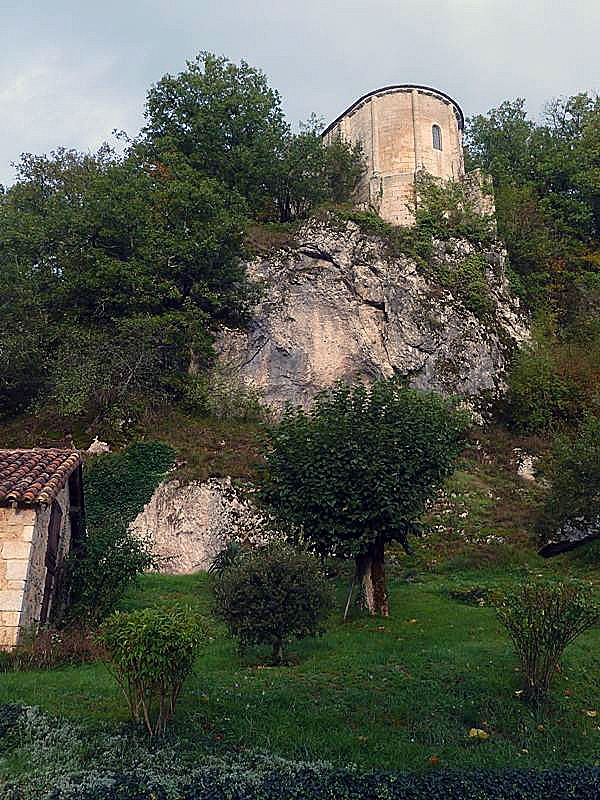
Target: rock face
(337, 308)
(187, 525)
(570, 535)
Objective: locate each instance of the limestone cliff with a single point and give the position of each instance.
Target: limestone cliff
(337, 307)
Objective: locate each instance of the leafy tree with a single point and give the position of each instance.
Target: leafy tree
(125, 267)
(310, 173)
(270, 594)
(355, 471)
(574, 472)
(223, 118)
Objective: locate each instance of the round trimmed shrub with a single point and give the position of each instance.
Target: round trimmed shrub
(272, 594)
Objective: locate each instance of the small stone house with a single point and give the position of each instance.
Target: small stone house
(41, 514)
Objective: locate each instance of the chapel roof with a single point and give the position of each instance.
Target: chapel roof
(35, 477)
(400, 87)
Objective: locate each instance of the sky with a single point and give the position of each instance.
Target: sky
(72, 72)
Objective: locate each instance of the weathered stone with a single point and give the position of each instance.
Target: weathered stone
(570, 535)
(11, 600)
(16, 549)
(16, 569)
(188, 524)
(337, 308)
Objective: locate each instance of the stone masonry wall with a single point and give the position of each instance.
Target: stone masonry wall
(23, 542)
(394, 126)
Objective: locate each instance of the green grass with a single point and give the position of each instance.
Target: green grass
(379, 693)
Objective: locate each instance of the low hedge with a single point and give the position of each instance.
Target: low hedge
(158, 773)
(273, 780)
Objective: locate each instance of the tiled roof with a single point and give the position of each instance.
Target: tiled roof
(31, 477)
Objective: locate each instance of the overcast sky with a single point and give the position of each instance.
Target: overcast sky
(71, 72)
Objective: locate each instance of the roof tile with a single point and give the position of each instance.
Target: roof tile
(33, 477)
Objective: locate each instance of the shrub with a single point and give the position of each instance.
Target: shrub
(109, 558)
(226, 558)
(151, 652)
(541, 620)
(539, 396)
(575, 477)
(272, 594)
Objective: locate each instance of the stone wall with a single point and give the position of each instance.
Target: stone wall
(23, 542)
(394, 126)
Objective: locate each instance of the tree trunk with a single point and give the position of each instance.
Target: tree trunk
(370, 571)
(277, 652)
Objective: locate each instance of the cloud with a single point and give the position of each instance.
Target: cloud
(72, 72)
(55, 102)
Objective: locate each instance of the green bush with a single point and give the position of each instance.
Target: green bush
(109, 557)
(151, 652)
(539, 397)
(574, 472)
(272, 594)
(541, 620)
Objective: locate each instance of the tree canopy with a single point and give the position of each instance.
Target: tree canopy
(356, 470)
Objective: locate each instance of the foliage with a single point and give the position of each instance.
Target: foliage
(547, 190)
(356, 470)
(539, 397)
(574, 473)
(220, 393)
(446, 208)
(74, 763)
(226, 558)
(109, 557)
(272, 594)
(46, 648)
(124, 268)
(151, 653)
(542, 619)
(310, 174)
(468, 282)
(225, 121)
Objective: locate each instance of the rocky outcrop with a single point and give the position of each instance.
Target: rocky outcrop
(337, 308)
(570, 535)
(188, 524)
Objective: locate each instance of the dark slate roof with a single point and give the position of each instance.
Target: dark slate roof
(34, 477)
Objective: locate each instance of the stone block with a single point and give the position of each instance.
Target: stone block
(16, 585)
(8, 637)
(25, 516)
(16, 569)
(11, 600)
(16, 549)
(27, 533)
(9, 619)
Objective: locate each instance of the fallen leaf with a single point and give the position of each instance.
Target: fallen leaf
(478, 733)
(590, 713)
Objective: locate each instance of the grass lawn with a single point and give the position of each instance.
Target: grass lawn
(379, 693)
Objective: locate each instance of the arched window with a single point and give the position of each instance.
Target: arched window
(436, 132)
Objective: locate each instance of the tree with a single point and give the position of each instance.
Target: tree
(356, 471)
(310, 173)
(272, 593)
(574, 470)
(126, 267)
(223, 118)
